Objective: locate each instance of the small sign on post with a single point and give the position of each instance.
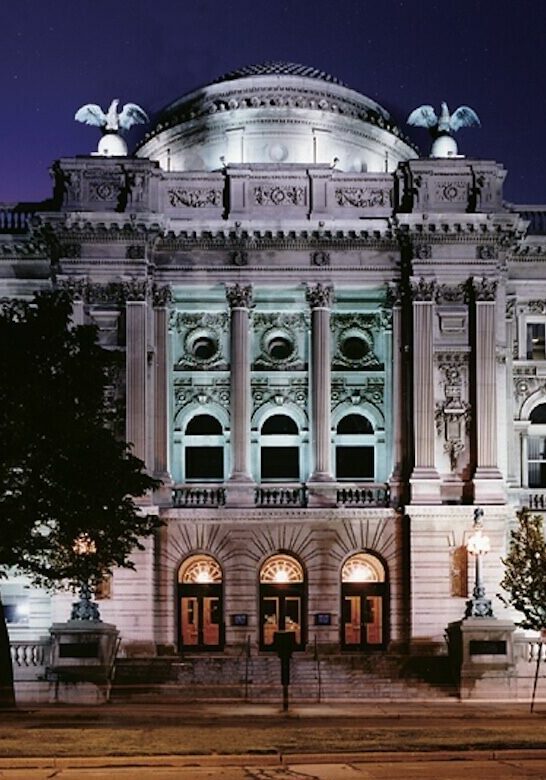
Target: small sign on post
(284, 642)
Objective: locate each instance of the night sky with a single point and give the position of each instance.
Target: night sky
(56, 55)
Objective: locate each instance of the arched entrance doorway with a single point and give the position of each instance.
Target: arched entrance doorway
(200, 606)
(364, 603)
(282, 600)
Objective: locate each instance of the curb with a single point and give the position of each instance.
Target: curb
(269, 759)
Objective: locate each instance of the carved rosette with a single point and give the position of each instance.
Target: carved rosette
(239, 296)
(135, 252)
(320, 296)
(279, 196)
(320, 258)
(423, 290)
(422, 251)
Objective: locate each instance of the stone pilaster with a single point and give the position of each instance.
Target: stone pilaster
(425, 481)
(136, 369)
(320, 301)
(397, 401)
(161, 299)
(488, 485)
(240, 300)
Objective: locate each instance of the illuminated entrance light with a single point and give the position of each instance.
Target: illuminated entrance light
(363, 567)
(360, 573)
(200, 570)
(281, 569)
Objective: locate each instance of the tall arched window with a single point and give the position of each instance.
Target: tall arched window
(355, 448)
(279, 449)
(536, 458)
(203, 449)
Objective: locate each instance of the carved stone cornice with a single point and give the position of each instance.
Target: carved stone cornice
(239, 296)
(112, 293)
(422, 290)
(320, 296)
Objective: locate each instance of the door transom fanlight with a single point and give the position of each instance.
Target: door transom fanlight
(280, 569)
(363, 567)
(200, 570)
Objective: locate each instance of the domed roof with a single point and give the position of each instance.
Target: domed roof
(278, 68)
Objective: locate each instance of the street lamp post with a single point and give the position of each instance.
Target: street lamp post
(85, 608)
(478, 545)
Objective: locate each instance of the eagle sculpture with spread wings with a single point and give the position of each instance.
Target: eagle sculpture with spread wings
(112, 121)
(441, 127)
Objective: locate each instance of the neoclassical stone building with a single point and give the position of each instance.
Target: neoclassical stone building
(334, 352)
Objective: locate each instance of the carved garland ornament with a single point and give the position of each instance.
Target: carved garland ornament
(372, 391)
(187, 392)
(263, 393)
(362, 197)
(453, 414)
(195, 199)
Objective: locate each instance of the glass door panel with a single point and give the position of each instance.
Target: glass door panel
(270, 618)
(190, 620)
(373, 619)
(211, 620)
(292, 616)
(352, 620)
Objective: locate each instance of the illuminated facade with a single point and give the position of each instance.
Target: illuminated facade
(334, 350)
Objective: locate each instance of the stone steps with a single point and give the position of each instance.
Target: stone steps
(341, 678)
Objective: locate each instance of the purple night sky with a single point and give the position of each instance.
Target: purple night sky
(56, 55)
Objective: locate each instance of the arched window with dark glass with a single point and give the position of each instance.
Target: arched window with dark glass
(203, 449)
(279, 449)
(355, 448)
(536, 454)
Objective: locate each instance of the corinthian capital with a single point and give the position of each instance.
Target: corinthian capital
(320, 296)
(239, 296)
(484, 289)
(421, 290)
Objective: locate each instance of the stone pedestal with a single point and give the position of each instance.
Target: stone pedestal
(82, 655)
(482, 656)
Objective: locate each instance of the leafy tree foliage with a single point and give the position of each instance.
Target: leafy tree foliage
(524, 580)
(64, 474)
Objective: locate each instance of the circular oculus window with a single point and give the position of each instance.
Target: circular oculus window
(354, 346)
(202, 345)
(279, 346)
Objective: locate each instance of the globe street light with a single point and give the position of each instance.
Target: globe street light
(478, 545)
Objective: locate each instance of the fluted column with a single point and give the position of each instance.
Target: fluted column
(487, 478)
(161, 299)
(136, 309)
(240, 300)
(425, 482)
(319, 298)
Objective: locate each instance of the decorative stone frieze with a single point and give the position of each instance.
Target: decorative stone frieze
(450, 294)
(194, 198)
(487, 252)
(453, 414)
(189, 391)
(358, 331)
(265, 392)
(116, 293)
(239, 296)
(181, 321)
(362, 197)
(370, 390)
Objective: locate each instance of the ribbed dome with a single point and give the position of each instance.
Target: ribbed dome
(278, 69)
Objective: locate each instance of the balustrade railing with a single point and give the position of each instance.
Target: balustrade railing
(13, 219)
(535, 499)
(365, 494)
(281, 495)
(29, 655)
(198, 496)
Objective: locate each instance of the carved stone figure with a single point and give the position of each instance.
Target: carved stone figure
(441, 127)
(111, 122)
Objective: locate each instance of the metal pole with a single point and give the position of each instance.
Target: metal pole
(536, 675)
